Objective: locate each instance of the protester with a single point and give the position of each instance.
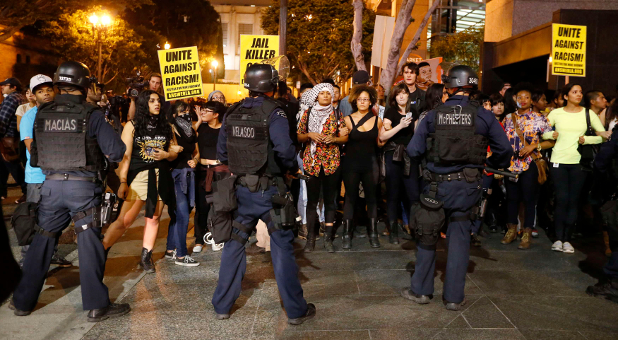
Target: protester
(381, 99)
(596, 102)
(539, 102)
(209, 169)
(497, 106)
(23, 108)
(568, 176)
(217, 96)
(505, 87)
(319, 130)
(336, 98)
(9, 136)
(524, 129)
(358, 78)
(401, 172)
(144, 174)
(417, 96)
(42, 88)
(360, 163)
(184, 184)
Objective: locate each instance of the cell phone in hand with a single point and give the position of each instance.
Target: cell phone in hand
(408, 115)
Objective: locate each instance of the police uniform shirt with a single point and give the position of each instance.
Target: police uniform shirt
(109, 141)
(486, 125)
(278, 129)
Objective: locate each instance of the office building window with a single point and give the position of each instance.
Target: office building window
(224, 33)
(243, 29)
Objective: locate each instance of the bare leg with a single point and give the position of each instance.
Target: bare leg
(127, 216)
(152, 227)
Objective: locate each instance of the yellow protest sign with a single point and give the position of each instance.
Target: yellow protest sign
(181, 71)
(254, 49)
(568, 50)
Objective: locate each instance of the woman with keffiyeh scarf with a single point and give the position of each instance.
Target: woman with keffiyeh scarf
(318, 128)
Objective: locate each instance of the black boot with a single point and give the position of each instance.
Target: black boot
(111, 311)
(372, 231)
(347, 235)
(393, 237)
(328, 239)
(146, 262)
(310, 245)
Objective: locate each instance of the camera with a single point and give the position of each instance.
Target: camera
(136, 84)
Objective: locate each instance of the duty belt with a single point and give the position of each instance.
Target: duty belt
(68, 177)
(455, 176)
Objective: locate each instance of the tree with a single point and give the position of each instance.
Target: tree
(124, 50)
(15, 14)
(318, 36)
(461, 48)
(185, 23)
(394, 62)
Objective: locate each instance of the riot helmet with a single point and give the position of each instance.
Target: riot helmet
(73, 73)
(261, 78)
(460, 76)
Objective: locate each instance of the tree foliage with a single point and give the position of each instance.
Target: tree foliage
(15, 14)
(319, 35)
(459, 48)
(184, 23)
(72, 36)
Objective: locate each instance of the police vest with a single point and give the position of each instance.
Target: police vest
(249, 149)
(62, 141)
(455, 141)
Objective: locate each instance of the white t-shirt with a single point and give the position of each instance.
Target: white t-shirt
(21, 109)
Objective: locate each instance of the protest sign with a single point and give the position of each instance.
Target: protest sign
(254, 49)
(181, 72)
(568, 50)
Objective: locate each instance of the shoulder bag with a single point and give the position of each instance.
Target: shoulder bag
(587, 152)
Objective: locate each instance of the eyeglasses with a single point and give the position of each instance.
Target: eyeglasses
(218, 98)
(363, 100)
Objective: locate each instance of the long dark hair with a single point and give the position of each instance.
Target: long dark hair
(565, 92)
(395, 91)
(143, 117)
(433, 97)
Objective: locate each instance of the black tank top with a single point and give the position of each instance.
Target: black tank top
(207, 141)
(143, 148)
(404, 135)
(361, 147)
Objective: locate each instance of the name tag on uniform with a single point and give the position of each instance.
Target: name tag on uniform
(61, 125)
(243, 132)
(454, 118)
(556, 165)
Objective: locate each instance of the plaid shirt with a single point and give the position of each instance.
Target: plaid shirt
(8, 119)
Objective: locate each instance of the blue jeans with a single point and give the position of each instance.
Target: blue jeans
(177, 234)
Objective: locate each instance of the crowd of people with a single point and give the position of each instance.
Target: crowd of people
(353, 156)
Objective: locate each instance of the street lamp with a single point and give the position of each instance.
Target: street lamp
(215, 64)
(99, 24)
(167, 45)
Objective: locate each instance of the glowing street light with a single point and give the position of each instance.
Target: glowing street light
(167, 45)
(99, 24)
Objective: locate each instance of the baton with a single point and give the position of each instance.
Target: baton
(500, 172)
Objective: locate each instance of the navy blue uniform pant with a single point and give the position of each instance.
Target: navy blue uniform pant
(459, 198)
(60, 200)
(251, 208)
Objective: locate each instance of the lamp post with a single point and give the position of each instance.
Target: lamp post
(167, 45)
(215, 64)
(99, 24)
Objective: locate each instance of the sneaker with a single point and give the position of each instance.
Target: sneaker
(309, 315)
(60, 261)
(567, 248)
(557, 246)
(198, 248)
(535, 233)
(187, 261)
(170, 254)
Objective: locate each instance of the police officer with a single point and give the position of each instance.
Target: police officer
(71, 143)
(452, 140)
(606, 162)
(255, 143)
